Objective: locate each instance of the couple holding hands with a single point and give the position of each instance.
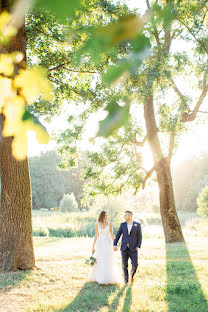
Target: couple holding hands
(105, 271)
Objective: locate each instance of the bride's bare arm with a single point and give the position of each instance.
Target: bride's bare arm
(111, 232)
(96, 236)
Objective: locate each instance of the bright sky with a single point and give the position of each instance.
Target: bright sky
(190, 144)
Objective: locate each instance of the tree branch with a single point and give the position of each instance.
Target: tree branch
(174, 35)
(203, 18)
(81, 71)
(179, 93)
(191, 114)
(71, 70)
(147, 176)
(171, 145)
(203, 112)
(156, 34)
(57, 67)
(168, 40)
(199, 41)
(187, 117)
(118, 154)
(117, 177)
(137, 143)
(45, 34)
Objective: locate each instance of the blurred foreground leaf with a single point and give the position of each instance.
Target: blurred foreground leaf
(61, 8)
(17, 122)
(32, 82)
(128, 65)
(106, 39)
(117, 116)
(6, 30)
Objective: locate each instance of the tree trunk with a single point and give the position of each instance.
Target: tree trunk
(170, 221)
(16, 243)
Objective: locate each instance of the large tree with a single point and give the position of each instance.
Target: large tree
(150, 87)
(16, 244)
(53, 53)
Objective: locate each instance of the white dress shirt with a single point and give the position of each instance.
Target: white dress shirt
(129, 225)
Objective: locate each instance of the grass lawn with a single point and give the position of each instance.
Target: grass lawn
(170, 278)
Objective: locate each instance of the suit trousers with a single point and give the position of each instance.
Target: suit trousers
(126, 254)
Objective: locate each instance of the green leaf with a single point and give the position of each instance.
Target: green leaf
(129, 65)
(117, 116)
(115, 72)
(34, 124)
(63, 9)
(106, 39)
(140, 43)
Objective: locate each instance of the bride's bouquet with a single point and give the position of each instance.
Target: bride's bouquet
(91, 261)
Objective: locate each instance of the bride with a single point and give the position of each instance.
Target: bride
(105, 271)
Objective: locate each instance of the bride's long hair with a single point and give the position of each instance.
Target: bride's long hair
(101, 217)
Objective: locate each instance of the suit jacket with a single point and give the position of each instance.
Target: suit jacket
(134, 239)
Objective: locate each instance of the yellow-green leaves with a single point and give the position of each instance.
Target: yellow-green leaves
(7, 62)
(125, 29)
(108, 38)
(17, 122)
(13, 110)
(6, 30)
(17, 91)
(33, 82)
(14, 95)
(6, 90)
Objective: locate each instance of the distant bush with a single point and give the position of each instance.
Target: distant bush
(202, 202)
(60, 232)
(40, 230)
(68, 203)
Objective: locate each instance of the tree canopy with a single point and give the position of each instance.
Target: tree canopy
(118, 163)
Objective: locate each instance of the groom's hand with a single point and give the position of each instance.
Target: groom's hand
(115, 248)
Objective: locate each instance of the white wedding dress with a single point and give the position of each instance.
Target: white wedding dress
(105, 271)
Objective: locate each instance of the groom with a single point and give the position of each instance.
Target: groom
(131, 242)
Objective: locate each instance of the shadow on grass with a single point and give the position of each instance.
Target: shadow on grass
(184, 292)
(128, 300)
(125, 291)
(92, 297)
(11, 279)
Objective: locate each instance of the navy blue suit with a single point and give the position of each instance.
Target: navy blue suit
(129, 244)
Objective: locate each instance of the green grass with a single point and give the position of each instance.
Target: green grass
(170, 278)
(182, 280)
